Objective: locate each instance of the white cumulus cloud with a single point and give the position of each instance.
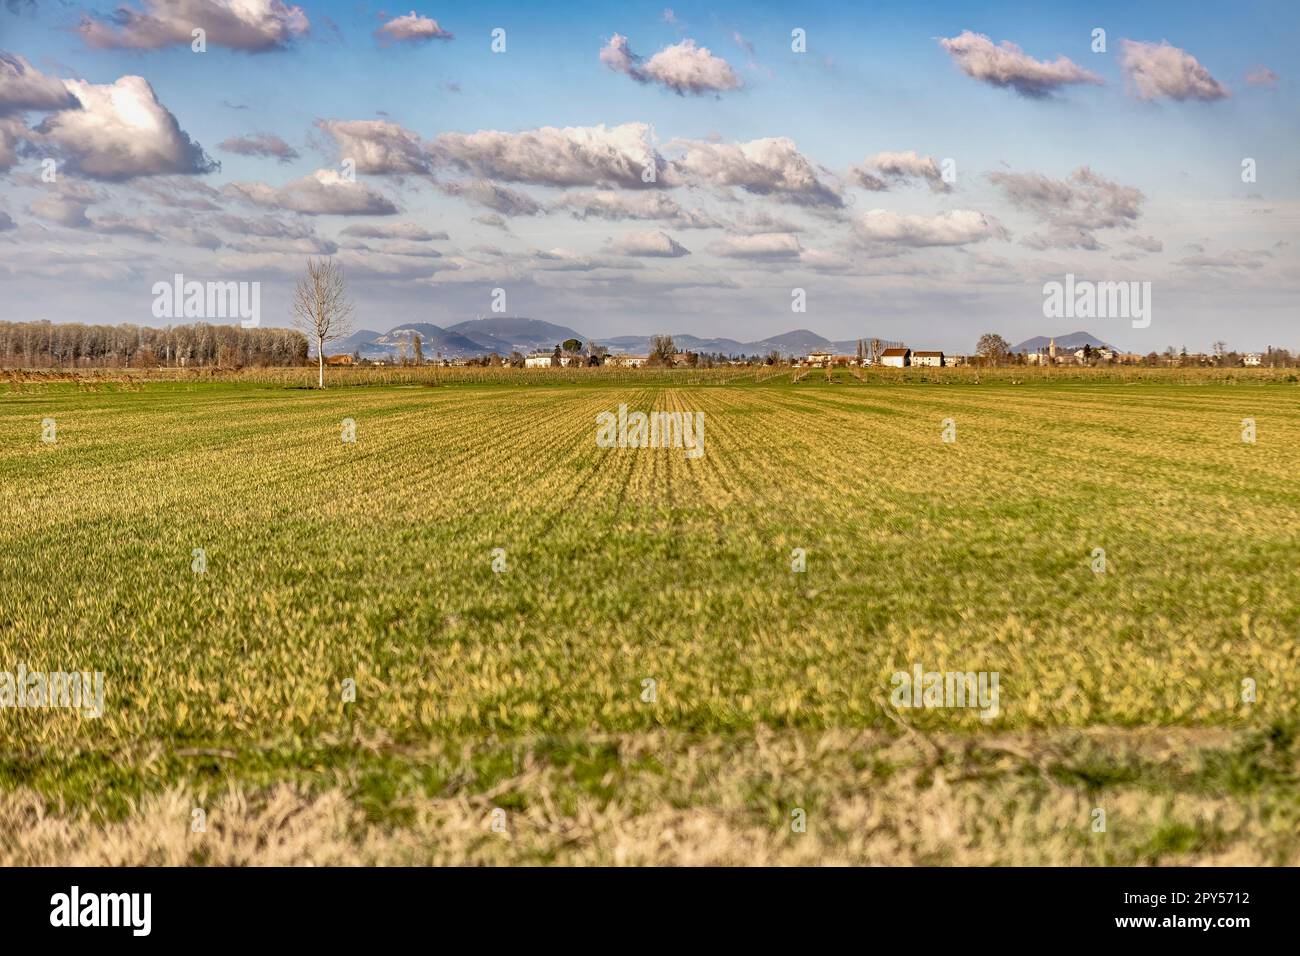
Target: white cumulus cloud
(23, 87)
(768, 245)
(501, 199)
(120, 132)
(1006, 65)
(573, 156)
(683, 67)
(1262, 76)
(377, 146)
(251, 25)
(324, 192)
(408, 231)
(260, 144)
(653, 244)
(412, 28)
(1072, 209)
(764, 167)
(615, 206)
(883, 169)
(1160, 71)
(957, 227)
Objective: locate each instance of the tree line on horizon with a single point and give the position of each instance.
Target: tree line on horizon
(47, 344)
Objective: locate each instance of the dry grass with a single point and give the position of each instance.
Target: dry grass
(869, 799)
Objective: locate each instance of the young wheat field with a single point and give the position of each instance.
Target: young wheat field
(639, 674)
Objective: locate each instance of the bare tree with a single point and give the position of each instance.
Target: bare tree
(321, 308)
(993, 347)
(662, 350)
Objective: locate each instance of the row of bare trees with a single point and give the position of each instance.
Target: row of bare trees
(321, 310)
(79, 345)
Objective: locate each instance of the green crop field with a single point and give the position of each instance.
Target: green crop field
(639, 674)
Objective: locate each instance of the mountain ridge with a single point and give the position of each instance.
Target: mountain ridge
(474, 338)
(482, 336)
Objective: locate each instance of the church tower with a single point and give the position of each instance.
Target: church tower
(1051, 350)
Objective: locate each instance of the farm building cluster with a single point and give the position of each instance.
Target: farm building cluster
(894, 357)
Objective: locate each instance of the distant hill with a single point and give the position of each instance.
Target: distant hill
(798, 342)
(505, 334)
(463, 340)
(433, 340)
(1072, 341)
(353, 342)
(640, 344)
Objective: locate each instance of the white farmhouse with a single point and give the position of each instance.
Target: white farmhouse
(896, 358)
(819, 359)
(627, 361)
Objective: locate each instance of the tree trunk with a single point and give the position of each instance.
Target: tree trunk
(320, 359)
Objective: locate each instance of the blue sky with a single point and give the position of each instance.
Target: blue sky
(1162, 130)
